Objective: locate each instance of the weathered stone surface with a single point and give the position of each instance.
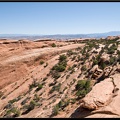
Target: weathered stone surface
(99, 96)
(109, 96)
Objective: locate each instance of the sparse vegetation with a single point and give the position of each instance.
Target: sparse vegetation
(82, 87)
(13, 112)
(46, 65)
(60, 106)
(34, 84)
(67, 79)
(40, 86)
(53, 45)
(55, 88)
(1, 94)
(41, 62)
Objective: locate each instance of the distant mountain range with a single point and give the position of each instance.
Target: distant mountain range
(59, 36)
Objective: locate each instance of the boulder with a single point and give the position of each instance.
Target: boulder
(99, 96)
(105, 58)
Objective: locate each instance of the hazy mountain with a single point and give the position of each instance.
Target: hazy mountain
(60, 36)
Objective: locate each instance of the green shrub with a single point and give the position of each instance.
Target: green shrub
(112, 60)
(34, 84)
(80, 84)
(70, 52)
(118, 52)
(81, 93)
(41, 62)
(62, 57)
(55, 110)
(110, 51)
(73, 58)
(55, 88)
(12, 101)
(73, 100)
(95, 62)
(40, 86)
(13, 112)
(59, 68)
(72, 71)
(82, 87)
(45, 78)
(46, 65)
(53, 45)
(56, 75)
(36, 98)
(103, 65)
(1, 94)
(67, 76)
(83, 68)
(32, 105)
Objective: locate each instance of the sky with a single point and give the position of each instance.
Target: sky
(48, 18)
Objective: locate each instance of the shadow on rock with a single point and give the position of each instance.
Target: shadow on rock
(80, 113)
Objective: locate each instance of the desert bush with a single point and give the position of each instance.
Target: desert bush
(70, 52)
(13, 112)
(67, 76)
(118, 52)
(112, 60)
(25, 100)
(118, 59)
(46, 65)
(8, 106)
(102, 66)
(55, 110)
(95, 62)
(62, 57)
(64, 88)
(72, 71)
(1, 94)
(12, 101)
(73, 100)
(61, 105)
(45, 78)
(32, 105)
(112, 49)
(80, 84)
(41, 62)
(53, 83)
(39, 87)
(82, 87)
(36, 98)
(55, 88)
(59, 68)
(81, 93)
(73, 58)
(69, 68)
(56, 75)
(83, 68)
(34, 84)
(78, 58)
(53, 45)
(78, 48)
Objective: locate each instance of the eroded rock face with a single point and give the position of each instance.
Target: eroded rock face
(107, 93)
(99, 96)
(118, 68)
(107, 70)
(105, 58)
(96, 72)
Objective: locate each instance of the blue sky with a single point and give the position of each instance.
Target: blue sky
(59, 17)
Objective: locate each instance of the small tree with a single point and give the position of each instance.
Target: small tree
(53, 45)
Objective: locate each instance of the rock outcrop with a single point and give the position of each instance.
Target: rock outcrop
(104, 98)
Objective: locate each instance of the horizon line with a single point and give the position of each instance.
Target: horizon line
(56, 34)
